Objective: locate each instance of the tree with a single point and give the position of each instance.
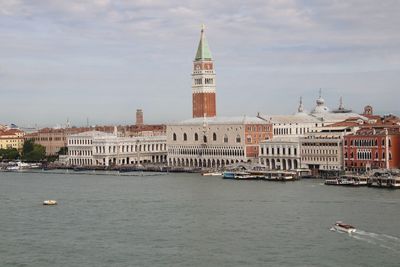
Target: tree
(9, 154)
(63, 151)
(32, 151)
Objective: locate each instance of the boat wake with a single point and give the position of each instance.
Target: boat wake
(382, 240)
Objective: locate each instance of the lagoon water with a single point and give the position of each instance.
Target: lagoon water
(190, 220)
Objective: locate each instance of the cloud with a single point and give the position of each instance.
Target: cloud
(141, 47)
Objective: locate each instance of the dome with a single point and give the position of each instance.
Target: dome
(320, 108)
(320, 101)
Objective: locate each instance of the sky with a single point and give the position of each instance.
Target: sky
(100, 60)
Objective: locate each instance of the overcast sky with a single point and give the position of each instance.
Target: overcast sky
(103, 59)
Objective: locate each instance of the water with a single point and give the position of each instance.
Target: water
(190, 220)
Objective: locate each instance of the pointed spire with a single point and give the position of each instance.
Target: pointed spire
(341, 107)
(301, 107)
(203, 51)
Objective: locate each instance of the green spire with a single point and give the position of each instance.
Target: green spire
(203, 51)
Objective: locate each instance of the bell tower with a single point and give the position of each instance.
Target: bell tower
(203, 81)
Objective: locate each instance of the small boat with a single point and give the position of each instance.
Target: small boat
(49, 202)
(342, 227)
(212, 174)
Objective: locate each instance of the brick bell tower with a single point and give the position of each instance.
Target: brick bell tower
(203, 81)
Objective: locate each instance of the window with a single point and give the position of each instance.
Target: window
(390, 156)
(196, 137)
(205, 139)
(238, 139)
(226, 139)
(214, 137)
(174, 137)
(184, 137)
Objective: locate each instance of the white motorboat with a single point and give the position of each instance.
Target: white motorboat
(212, 174)
(49, 202)
(343, 227)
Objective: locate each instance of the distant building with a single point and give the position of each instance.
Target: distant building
(283, 150)
(372, 148)
(322, 152)
(55, 139)
(94, 148)
(11, 138)
(139, 117)
(280, 153)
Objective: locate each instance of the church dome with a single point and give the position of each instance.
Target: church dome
(320, 108)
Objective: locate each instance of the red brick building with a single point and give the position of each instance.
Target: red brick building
(203, 81)
(372, 148)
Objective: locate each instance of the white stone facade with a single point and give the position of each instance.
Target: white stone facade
(215, 142)
(322, 151)
(280, 154)
(104, 149)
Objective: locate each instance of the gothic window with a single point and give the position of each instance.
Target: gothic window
(295, 151)
(383, 142)
(225, 138)
(390, 156)
(390, 143)
(205, 139)
(174, 136)
(376, 155)
(214, 137)
(196, 137)
(238, 139)
(383, 155)
(184, 137)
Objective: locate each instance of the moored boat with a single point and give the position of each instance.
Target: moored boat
(239, 175)
(212, 174)
(343, 227)
(348, 180)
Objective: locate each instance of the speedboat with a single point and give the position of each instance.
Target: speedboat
(49, 202)
(343, 227)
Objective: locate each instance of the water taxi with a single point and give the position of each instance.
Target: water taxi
(343, 227)
(279, 176)
(348, 180)
(388, 181)
(239, 175)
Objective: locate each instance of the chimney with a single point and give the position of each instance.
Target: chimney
(139, 117)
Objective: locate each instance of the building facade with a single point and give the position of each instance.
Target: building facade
(215, 142)
(280, 153)
(55, 139)
(11, 138)
(372, 148)
(203, 81)
(96, 148)
(323, 151)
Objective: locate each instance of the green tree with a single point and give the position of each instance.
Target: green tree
(63, 151)
(32, 151)
(9, 154)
